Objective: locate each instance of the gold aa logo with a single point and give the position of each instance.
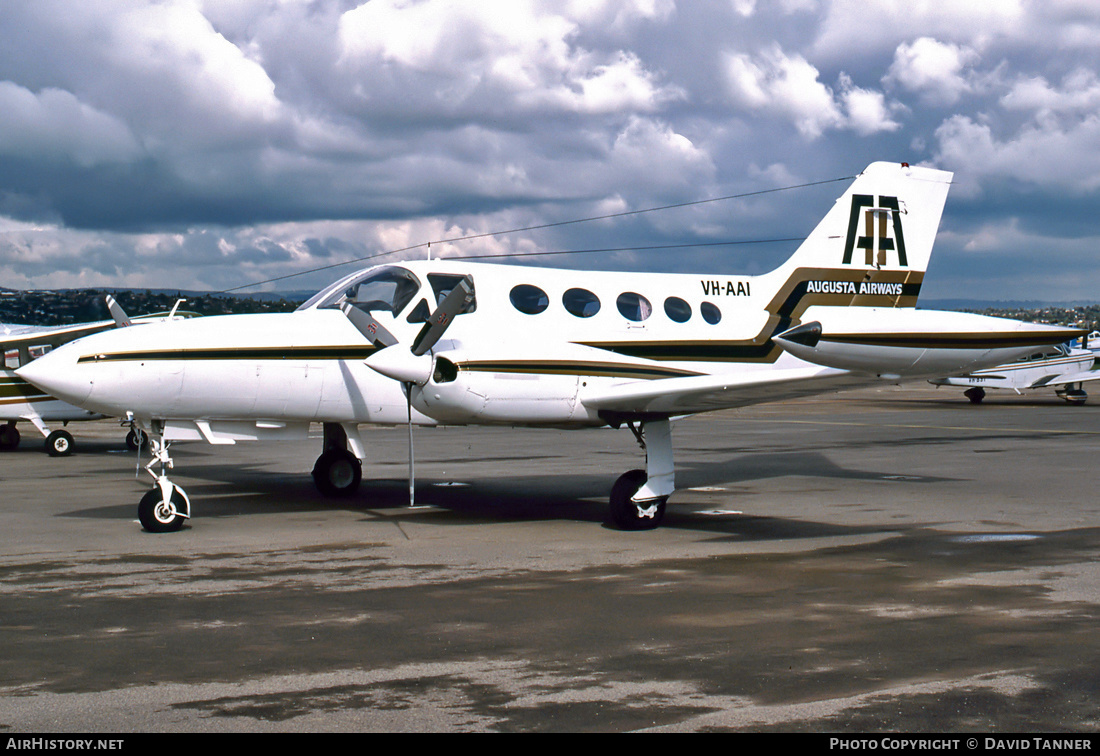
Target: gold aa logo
(881, 230)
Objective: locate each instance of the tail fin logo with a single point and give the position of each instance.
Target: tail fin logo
(879, 221)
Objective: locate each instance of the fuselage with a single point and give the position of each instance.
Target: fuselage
(533, 341)
(533, 345)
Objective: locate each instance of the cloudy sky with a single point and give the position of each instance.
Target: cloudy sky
(208, 145)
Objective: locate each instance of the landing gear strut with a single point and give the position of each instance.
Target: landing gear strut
(638, 497)
(163, 509)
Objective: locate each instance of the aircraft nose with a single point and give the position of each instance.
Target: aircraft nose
(58, 374)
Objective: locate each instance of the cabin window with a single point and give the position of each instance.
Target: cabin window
(444, 283)
(529, 299)
(710, 313)
(580, 302)
(634, 306)
(677, 309)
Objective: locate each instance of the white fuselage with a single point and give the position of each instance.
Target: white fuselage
(533, 350)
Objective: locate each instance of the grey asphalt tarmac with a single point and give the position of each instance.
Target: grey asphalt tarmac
(889, 560)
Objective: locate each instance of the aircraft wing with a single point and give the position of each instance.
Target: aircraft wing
(53, 337)
(688, 395)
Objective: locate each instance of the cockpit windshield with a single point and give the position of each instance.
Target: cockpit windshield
(386, 289)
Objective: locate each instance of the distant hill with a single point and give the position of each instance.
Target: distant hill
(65, 306)
(986, 304)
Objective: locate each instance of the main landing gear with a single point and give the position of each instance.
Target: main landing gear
(638, 497)
(9, 436)
(1074, 393)
(337, 472)
(59, 443)
(975, 395)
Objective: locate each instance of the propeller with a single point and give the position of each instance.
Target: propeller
(412, 367)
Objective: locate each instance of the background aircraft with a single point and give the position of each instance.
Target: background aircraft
(457, 342)
(21, 401)
(1062, 367)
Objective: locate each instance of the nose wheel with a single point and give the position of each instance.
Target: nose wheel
(160, 516)
(165, 508)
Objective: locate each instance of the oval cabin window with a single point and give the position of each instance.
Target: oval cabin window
(529, 299)
(580, 302)
(634, 306)
(710, 313)
(677, 309)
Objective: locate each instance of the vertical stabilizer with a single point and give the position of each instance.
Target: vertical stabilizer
(887, 220)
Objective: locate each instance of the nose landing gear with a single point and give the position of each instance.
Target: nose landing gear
(166, 506)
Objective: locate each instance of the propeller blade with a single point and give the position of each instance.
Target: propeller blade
(441, 319)
(122, 320)
(365, 323)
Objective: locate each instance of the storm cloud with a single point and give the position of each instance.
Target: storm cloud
(210, 145)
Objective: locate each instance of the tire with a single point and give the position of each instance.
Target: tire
(9, 437)
(59, 443)
(624, 512)
(156, 518)
(975, 395)
(337, 472)
(136, 439)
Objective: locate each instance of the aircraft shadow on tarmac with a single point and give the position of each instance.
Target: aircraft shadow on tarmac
(234, 490)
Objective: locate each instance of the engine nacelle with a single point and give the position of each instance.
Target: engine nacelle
(487, 387)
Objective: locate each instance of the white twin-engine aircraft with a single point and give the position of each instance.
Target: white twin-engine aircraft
(453, 342)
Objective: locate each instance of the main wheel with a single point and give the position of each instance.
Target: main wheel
(975, 395)
(1075, 396)
(628, 515)
(59, 443)
(156, 517)
(136, 439)
(337, 472)
(9, 436)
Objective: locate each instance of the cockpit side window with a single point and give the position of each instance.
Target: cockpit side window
(387, 289)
